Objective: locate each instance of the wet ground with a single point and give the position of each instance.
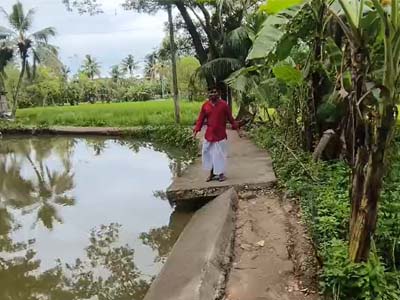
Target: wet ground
(84, 218)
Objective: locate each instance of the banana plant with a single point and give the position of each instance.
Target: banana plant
(371, 115)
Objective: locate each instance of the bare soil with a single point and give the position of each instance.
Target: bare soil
(273, 256)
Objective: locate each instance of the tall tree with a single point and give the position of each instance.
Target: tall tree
(129, 64)
(173, 62)
(27, 44)
(116, 73)
(90, 67)
(157, 68)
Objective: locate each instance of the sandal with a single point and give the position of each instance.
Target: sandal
(221, 178)
(210, 178)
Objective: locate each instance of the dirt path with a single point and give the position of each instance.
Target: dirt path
(273, 259)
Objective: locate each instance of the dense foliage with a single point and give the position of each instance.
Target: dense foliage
(50, 87)
(323, 191)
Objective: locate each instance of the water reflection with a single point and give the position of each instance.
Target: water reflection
(108, 271)
(55, 194)
(163, 239)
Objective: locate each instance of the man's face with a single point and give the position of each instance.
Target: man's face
(213, 95)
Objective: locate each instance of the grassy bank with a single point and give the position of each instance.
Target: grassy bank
(323, 190)
(131, 114)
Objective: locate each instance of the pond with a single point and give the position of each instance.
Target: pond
(84, 218)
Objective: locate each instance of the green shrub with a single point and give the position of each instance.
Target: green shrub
(323, 190)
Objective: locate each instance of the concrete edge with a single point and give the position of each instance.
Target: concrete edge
(179, 197)
(200, 260)
(78, 131)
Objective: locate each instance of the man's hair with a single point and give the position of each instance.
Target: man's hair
(214, 88)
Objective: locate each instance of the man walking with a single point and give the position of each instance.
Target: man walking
(217, 112)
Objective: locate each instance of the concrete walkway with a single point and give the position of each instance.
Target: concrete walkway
(248, 168)
(197, 266)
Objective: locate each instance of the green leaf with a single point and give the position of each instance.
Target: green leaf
(268, 37)
(277, 6)
(272, 31)
(334, 52)
(287, 73)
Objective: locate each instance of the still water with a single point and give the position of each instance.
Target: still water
(84, 218)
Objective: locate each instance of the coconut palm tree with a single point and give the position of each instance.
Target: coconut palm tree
(27, 44)
(129, 64)
(90, 67)
(116, 73)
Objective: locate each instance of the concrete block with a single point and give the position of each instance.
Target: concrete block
(197, 265)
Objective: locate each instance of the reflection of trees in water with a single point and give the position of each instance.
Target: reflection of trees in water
(99, 145)
(179, 158)
(162, 240)
(118, 277)
(43, 192)
(107, 272)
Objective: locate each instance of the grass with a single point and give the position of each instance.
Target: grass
(130, 114)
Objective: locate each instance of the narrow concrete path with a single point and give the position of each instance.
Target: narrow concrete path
(248, 168)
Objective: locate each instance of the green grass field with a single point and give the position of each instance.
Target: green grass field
(129, 114)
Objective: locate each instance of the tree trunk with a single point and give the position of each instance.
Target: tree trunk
(366, 187)
(311, 128)
(16, 92)
(323, 144)
(192, 29)
(230, 98)
(201, 52)
(368, 138)
(209, 31)
(173, 61)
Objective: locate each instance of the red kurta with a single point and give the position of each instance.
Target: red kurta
(217, 116)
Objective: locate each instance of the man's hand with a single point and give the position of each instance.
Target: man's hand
(239, 133)
(195, 132)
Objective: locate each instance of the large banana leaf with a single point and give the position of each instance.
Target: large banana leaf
(241, 79)
(287, 73)
(277, 6)
(273, 28)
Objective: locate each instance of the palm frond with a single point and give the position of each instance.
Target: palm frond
(27, 21)
(17, 18)
(238, 42)
(44, 34)
(220, 67)
(46, 54)
(46, 49)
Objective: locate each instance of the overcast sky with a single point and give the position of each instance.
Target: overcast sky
(109, 37)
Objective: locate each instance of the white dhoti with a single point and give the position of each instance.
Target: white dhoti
(214, 156)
